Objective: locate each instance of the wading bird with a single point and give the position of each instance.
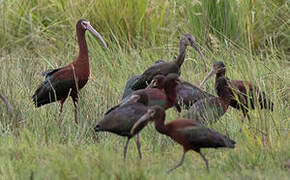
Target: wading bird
(168, 67)
(163, 95)
(121, 120)
(66, 81)
(210, 109)
(188, 133)
(242, 92)
(128, 87)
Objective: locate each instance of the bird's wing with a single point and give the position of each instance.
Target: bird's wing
(132, 98)
(111, 109)
(239, 90)
(56, 86)
(194, 132)
(199, 136)
(160, 68)
(121, 120)
(49, 72)
(188, 93)
(128, 88)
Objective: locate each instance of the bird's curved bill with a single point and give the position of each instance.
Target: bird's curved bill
(153, 84)
(195, 46)
(133, 98)
(90, 28)
(143, 119)
(179, 80)
(210, 74)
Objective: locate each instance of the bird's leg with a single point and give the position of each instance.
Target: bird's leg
(76, 110)
(138, 146)
(125, 148)
(60, 112)
(205, 160)
(179, 164)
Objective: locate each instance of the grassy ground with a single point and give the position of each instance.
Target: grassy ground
(40, 35)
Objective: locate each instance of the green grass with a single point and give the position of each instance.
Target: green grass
(40, 35)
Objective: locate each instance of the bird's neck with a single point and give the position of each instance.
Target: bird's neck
(83, 48)
(223, 89)
(160, 126)
(220, 74)
(182, 52)
(171, 93)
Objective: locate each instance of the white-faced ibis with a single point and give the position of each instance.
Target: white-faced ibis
(164, 95)
(120, 120)
(188, 94)
(128, 88)
(168, 67)
(188, 133)
(210, 109)
(66, 81)
(242, 92)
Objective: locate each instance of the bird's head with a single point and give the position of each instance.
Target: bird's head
(189, 40)
(157, 82)
(154, 113)
(84, 25)
(218, 68)
(172, 80)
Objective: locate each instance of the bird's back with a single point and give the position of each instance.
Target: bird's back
(160, 68)
(194, 136)
(128, 87)
(121, 120)
(248, 93)
(56, 86)
(188, 94)
(59, 84)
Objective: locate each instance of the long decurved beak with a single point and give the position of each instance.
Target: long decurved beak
(131, 99)
(152, 84)
(178, 81)
(195, 46)
(90, 28)
(143, 119)
(212, 72)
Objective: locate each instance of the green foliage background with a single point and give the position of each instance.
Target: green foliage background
(251, 37)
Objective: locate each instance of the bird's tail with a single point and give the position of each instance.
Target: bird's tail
(265, 102)
(140, 83)
(42, 97)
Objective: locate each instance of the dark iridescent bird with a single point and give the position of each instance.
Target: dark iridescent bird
(163, 95)
(188, 133)
(168, 67)
(128, 88)
(66, 81)
(188, 94)
(211, 109)
(121, 120)
(243, 93)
